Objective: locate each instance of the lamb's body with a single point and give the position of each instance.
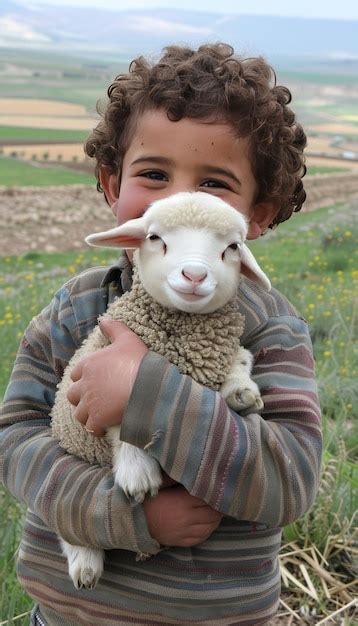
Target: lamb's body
(202, 346)
(191, 317)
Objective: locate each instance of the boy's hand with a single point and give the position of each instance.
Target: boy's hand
(176, 518)
(103, 380)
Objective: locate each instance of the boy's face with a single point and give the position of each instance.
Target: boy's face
(166, 157)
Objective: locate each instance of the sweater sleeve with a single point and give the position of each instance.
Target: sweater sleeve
(262, 468)
(78, 501)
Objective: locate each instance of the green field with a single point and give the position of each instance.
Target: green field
(312, 170)
(27, 134)
(14, 172)
(313, 260)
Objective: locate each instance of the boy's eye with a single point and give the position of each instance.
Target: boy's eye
(153, 175)
(214, 184)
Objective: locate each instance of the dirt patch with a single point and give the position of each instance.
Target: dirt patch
(51, 218)
(59, 218)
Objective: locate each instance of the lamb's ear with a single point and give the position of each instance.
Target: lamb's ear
(252, 269)
(128, 235)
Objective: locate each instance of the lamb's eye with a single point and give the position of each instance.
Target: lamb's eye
(233, 246)
(153, 237)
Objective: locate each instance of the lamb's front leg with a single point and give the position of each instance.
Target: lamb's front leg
(239, 390)
(135, 471)
(85, 565)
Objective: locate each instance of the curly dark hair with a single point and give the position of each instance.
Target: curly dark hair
(213, 84)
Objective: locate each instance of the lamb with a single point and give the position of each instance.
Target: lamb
(184, 305)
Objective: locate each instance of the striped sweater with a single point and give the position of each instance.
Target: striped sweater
(261, 472)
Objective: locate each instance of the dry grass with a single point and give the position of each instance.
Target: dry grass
(319, 567)
(310, 583)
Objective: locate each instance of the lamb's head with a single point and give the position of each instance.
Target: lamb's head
(190, 249)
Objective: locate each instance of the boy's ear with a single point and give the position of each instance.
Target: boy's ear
(109, 184)
(263, 215)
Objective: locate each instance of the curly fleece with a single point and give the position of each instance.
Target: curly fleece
(200, 345)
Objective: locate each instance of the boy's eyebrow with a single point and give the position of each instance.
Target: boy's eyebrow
(210, 169)
(153, 159)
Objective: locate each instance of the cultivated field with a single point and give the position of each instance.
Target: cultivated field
(60, 93)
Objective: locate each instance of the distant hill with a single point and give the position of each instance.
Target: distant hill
(132, 32)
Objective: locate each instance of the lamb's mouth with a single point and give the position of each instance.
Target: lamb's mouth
(190, 297)
(196, 294)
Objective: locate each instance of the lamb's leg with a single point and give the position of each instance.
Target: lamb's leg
(135, 471)
(239, 390)
(85, 565)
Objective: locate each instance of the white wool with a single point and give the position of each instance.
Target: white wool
(198, 210)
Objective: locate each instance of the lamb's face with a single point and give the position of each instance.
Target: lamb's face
(192, 270)
(190, 249)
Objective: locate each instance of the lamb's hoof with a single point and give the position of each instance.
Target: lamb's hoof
(139, 491)
(86, 568)
(140, 479)
(244, 399)
(87, 579)
(138, 495)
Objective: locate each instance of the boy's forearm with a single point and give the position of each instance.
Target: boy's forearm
(252, 468)
(76, 500)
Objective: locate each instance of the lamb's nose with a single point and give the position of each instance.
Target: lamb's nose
(194, 273)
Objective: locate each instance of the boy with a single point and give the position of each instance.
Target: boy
(196, 120)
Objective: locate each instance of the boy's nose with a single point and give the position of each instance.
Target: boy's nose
(194, 272)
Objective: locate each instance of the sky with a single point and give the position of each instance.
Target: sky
(344, 9)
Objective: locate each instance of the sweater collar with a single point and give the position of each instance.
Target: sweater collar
(120, 273)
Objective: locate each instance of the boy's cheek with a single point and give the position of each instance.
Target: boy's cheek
(129, 206)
